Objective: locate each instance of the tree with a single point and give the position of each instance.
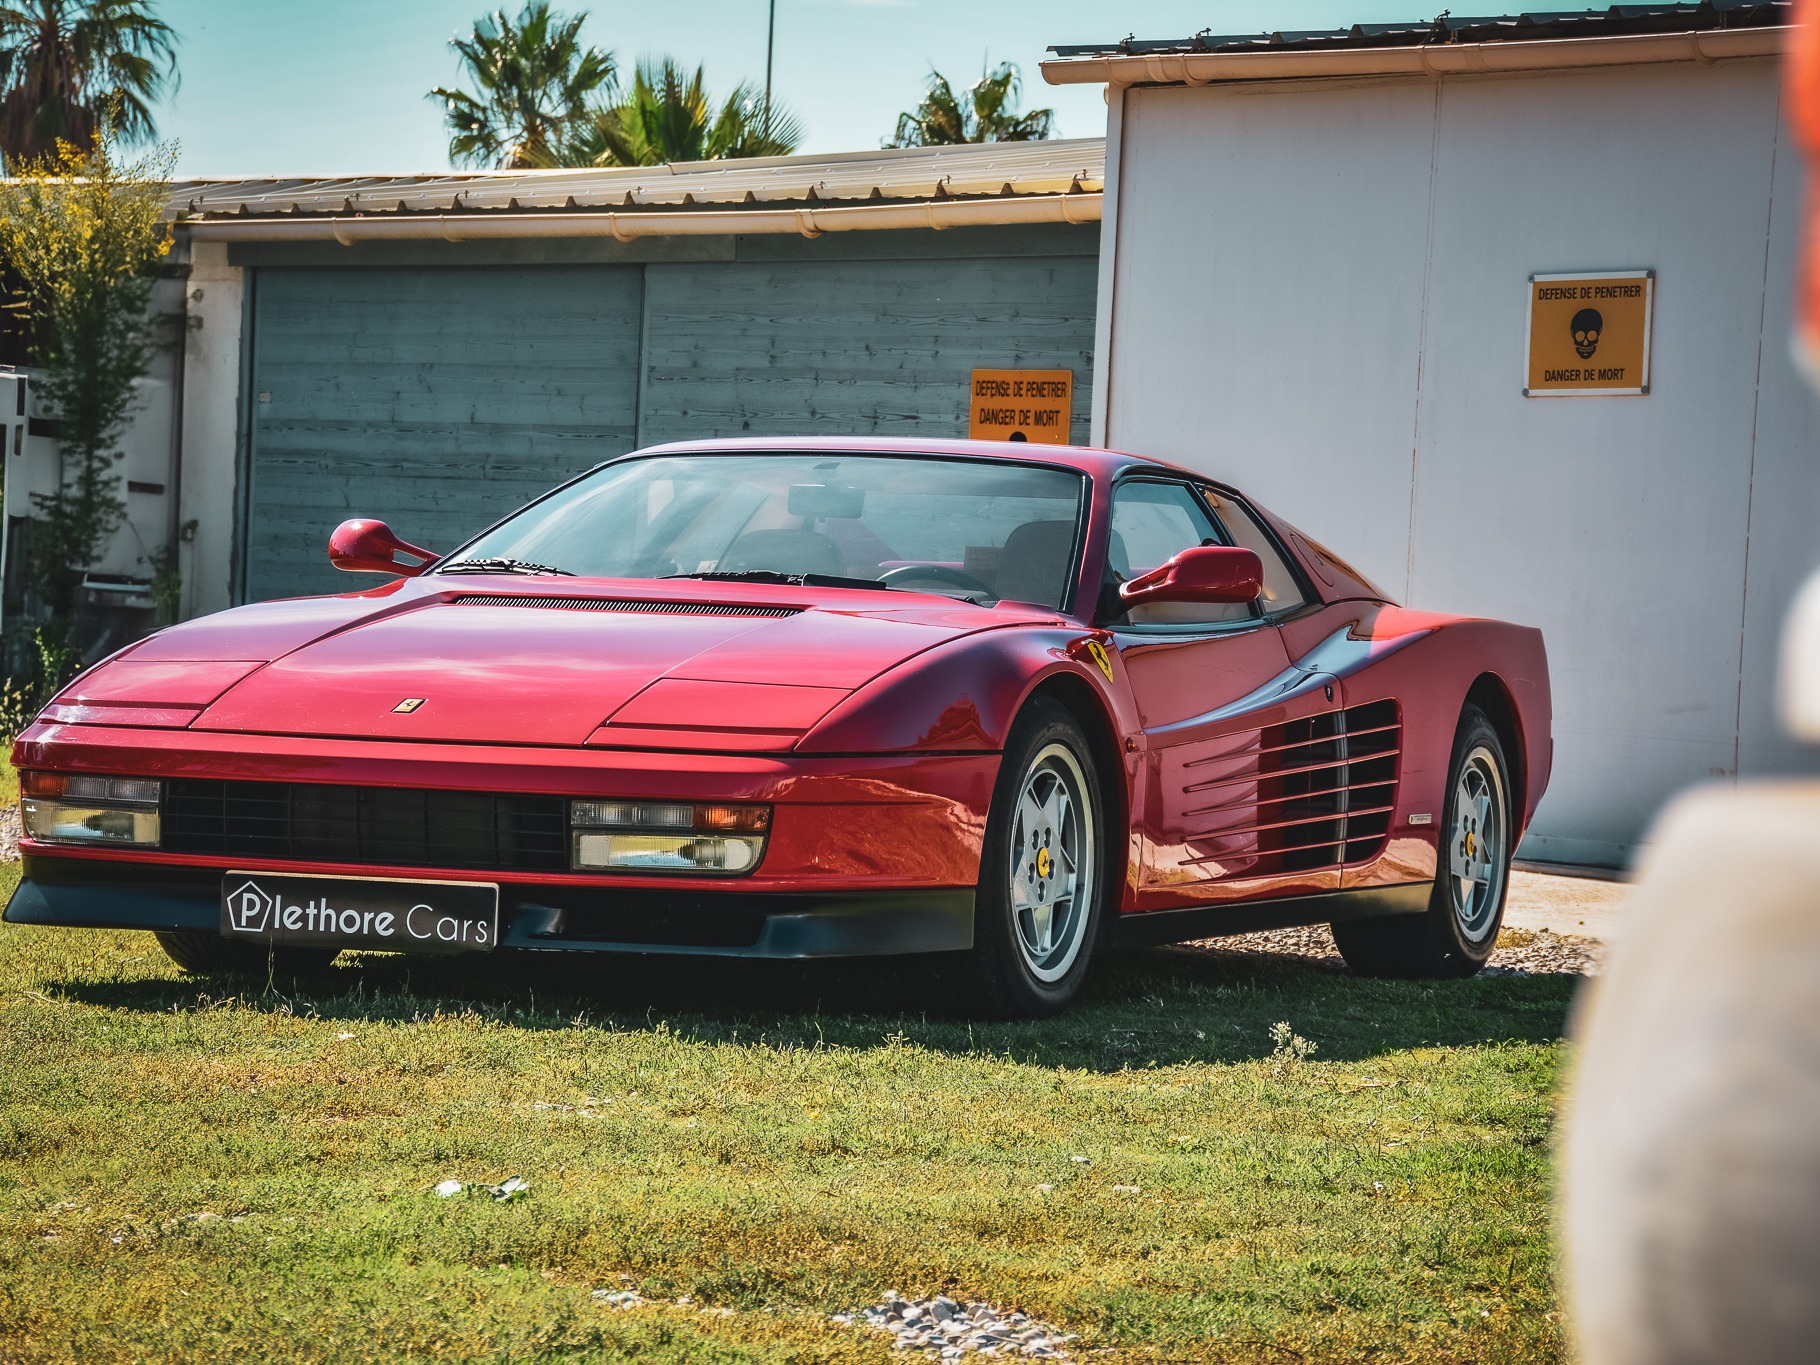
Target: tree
(668, 116)
(70, 69)
(941, 120)
(535, 79)
(82, 233)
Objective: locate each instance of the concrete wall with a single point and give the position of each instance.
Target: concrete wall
(1318, 290)
(211, 426)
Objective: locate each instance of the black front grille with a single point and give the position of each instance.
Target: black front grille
(396, 826)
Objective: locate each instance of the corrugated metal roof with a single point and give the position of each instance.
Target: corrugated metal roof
(1615, 21)
(988, 170)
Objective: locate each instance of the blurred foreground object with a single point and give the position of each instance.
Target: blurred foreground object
(1800, 684)
(1692, 1154)
(1691, 1157)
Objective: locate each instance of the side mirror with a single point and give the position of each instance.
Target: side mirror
(363, 546)
(1203, 573)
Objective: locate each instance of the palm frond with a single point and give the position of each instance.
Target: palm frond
(535, 81)
(943, 120)
(68, 66)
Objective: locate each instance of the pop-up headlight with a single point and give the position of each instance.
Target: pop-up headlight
(85, 808)
(661, 836)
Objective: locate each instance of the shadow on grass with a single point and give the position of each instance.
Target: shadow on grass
(1158, 1006)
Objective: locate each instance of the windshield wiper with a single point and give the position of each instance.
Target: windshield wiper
(502, 564)
(802, 580)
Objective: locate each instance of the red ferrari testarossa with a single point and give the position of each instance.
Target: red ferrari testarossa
(804, 698)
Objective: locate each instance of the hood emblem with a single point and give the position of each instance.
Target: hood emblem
(409, 704)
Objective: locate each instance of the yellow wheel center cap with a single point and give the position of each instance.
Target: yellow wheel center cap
(1043, 863)
(1469, 843)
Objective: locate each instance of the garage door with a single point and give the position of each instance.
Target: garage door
(436, 399)
(867, 347)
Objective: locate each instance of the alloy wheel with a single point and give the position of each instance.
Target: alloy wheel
(1477, 858)
(1052, 872)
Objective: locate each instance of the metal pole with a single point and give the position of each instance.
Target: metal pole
(770, 43)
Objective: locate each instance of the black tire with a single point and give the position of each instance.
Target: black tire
(1007, 974)
(203, 954)
(1457, 933)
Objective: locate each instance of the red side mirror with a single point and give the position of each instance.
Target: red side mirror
(1203, 573)
(363, 546)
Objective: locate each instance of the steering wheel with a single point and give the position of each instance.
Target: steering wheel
(938, 573)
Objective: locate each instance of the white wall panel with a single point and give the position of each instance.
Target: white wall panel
(1267, 315)
(211, 425)
(1617, 524)
(1321, 293)
(1785, 494)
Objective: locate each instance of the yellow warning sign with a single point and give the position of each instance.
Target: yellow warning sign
(1022, 405)
(1589, 334)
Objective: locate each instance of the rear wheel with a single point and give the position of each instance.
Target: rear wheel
(1042, 882)
(212, 955)
(1458, 931)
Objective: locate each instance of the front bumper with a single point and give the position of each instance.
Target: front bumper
(93, 893)
(868, 854)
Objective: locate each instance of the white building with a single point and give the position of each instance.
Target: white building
(1315, 282)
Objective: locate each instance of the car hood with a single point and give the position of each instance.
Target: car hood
(485, 659)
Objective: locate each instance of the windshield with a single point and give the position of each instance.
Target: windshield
(978, 530)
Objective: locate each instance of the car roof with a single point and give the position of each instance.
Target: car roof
(1088, 459)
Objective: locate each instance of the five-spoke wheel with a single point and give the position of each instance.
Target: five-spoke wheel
(1051, 861)
(1476, 856)
(1042, 885)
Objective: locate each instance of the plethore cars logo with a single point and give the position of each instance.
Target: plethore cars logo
(398, 915)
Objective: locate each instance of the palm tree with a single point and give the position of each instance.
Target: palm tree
(535, 78)
(668, 116)
(72, 68)
(941, 120)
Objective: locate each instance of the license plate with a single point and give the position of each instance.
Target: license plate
(361, 912)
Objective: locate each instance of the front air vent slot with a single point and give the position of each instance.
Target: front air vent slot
(653, 607)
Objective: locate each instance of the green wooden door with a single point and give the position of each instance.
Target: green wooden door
(436, 399)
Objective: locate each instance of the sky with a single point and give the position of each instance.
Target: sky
(337, 87)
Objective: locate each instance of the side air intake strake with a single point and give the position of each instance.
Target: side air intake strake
(1310, 793)
(658, 608)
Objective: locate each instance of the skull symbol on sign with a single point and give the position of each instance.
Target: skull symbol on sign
(1587, 325)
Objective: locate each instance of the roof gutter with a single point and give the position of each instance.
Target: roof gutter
(1082, 207)
(1427, 59)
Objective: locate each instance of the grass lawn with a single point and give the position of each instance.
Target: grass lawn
(189, 1173)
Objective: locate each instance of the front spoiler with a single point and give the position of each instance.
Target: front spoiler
(95, 894)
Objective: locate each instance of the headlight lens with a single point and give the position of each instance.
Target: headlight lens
(63, 823)
(86, 808)
(666, 853)
(657, 836)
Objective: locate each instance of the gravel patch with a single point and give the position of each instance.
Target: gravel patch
(9, 833)
(1520, 952)
(948, 1330)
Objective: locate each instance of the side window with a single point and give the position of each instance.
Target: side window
(1282, 590)
(1151, 524)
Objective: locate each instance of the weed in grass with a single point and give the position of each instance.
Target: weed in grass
(1289, 1049)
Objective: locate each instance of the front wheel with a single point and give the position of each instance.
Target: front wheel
(1042, 880)
(1456, 934)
